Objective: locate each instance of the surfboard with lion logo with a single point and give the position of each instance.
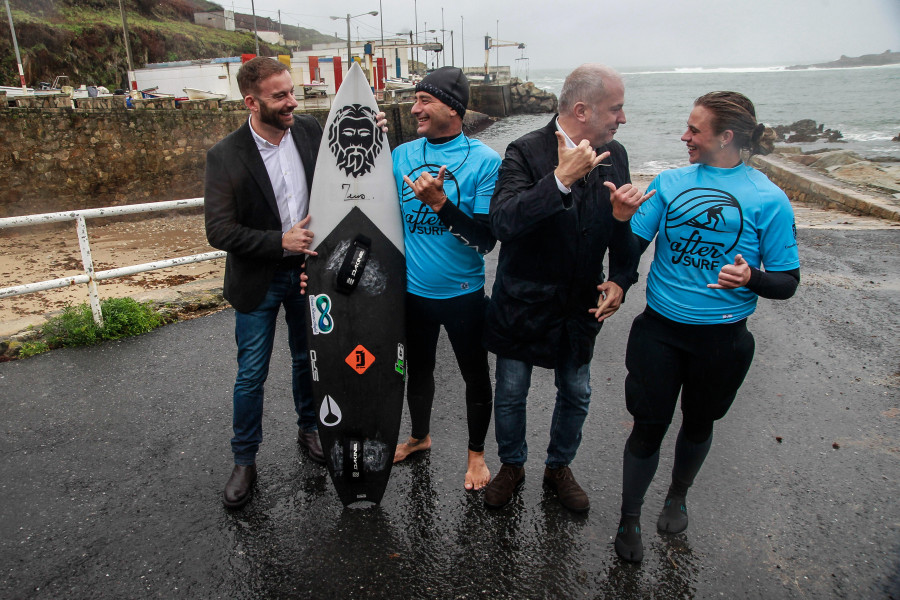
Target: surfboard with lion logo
(356, 293)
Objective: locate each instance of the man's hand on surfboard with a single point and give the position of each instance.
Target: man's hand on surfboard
(298, 238)
(428, 189)
(304, 279)
(610, 300)
(381, 122)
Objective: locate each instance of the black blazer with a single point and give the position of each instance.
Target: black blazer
(241, 213)
(552, 247)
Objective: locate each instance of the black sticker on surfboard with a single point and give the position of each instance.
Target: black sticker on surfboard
(354, 140)
(354, 264)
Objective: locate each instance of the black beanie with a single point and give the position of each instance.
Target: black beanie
(449, 85)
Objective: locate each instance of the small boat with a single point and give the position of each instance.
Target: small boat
(60, 85)
(195, 94)
(393, 83)
(16, 91)
(152, 92)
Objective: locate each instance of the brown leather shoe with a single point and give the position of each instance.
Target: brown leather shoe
(310, 441)
(240, 486)
(570, 493)
(499, 491)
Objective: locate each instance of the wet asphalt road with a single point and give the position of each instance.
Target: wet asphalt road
(114, 459)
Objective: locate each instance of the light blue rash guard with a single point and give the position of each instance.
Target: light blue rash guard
(704, 216)
(438, 265)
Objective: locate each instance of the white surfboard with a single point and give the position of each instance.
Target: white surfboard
(357, 290)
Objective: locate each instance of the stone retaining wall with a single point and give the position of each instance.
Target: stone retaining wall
(56, 159)
(803, 184)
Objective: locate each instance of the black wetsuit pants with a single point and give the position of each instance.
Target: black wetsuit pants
(463, 320)
(705, 365)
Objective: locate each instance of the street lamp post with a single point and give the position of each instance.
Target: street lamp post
(255, 32)
(425, 33)
(12, 30)
(416, 18)
(462, 41)
(374, 13)
(381, 12)
(444, 33)
(127, 47)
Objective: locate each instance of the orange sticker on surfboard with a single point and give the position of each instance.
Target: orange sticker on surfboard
(360, 359)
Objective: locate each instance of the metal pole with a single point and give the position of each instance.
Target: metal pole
(12, 30)
(497, 58)
(443, 40)
(255, 33)
(381, 18)
(88, 263)
(127, 46)
(452, 51)
(416, 17)
(410, 55)
(462, 40)
(348, 43)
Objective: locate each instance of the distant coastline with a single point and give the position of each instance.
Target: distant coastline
(866, 60)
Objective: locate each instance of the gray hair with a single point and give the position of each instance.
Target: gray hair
(585, 84)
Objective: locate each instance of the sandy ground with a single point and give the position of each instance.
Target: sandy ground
(28, 256)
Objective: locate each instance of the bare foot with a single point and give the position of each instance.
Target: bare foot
(477, 473)
(411, 445)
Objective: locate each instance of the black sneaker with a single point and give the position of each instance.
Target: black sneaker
(628, 540)
(674, 517)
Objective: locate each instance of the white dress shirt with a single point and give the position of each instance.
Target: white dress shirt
(569, 144)
(288, 178)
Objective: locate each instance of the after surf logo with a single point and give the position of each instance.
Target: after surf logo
(320, 314)
(702, 226)
(354, 140)
(421, 219)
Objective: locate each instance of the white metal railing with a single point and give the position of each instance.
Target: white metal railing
(91, 277)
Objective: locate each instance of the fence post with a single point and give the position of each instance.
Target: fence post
(88, 263)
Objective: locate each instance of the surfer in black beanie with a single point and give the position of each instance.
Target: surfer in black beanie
(445, 181)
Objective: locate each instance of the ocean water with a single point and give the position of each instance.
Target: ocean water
(862, 103)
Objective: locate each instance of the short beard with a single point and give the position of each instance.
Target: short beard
(272, 117)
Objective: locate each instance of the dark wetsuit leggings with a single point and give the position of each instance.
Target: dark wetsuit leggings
(706, 365)
(463, 320)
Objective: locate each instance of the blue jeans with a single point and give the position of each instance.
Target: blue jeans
(573, 396)
(254, 333)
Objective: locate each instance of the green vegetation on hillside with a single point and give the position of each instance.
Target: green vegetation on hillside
(83, 39)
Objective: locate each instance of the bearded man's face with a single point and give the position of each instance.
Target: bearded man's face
(354, 140)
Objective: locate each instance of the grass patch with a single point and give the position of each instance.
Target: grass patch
(122, 317)
(30, 349)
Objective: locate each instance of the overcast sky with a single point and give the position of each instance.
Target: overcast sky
(625, 33)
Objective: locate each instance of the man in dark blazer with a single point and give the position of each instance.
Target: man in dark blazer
(258, 181)
(563, 197)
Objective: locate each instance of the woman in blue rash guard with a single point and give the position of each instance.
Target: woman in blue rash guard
(716, 223)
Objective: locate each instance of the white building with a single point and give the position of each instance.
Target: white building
(395, 54)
